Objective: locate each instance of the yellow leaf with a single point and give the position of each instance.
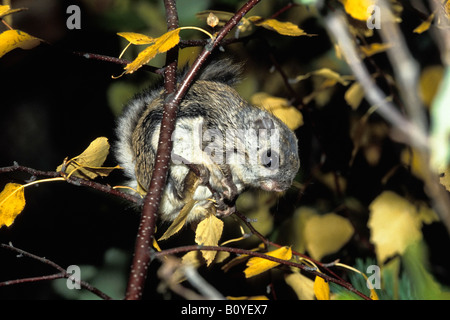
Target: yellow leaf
(137, 38)
(3, 10)
(212, 20)
(354, 95)
(331, 181)
(179, 221)
(373, 294)
(12, 39)
(279, 107)
(208, 233)
(162, 44)
(444, 179)
(301, 216)
(327, 74)
(302, 285)
(412, 159)
(12, 202)
(257, 265)
(191, 183)
(234, 262)
(321, 289)
(92, 157)
(284, 28)
(326, 234)
(358, 9)
(156, 245)
(256, 206)
(221, 256)
(193, 259)
(374, 48)
(222, 16)
(6, 10)
(248, 298)
(239, 259)
(245, 27)
(395, 224)
(430, 79)
(424, 26)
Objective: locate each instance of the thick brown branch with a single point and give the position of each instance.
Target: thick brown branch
(157, 183)
(146, 229)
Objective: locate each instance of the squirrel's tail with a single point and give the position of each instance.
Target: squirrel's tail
(224, 70)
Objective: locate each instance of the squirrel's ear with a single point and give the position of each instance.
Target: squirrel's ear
(264, 123)
(224, 70)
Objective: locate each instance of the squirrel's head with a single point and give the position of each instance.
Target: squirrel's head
(271, 158)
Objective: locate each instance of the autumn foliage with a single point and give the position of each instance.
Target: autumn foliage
(374, 170)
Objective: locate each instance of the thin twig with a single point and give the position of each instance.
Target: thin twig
(75, 181)
(33, 279)
(267, 243)
(101, 57)
(167, 273)
(442, 33)
(198, 282)
(62, 273)
(282, 10)
(239, 251)
(414, 135)
(406, 69)
(204, 42)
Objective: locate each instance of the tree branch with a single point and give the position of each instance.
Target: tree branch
(239, 251)
(62, 273)
(101, 57)
(413, 133)
(146, 229)
(267, 243)
(406, 69)
(75, 181)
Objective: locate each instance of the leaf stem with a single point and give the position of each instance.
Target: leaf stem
(44, 180)
(199, 29)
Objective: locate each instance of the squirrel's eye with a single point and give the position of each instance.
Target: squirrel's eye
(269, 159)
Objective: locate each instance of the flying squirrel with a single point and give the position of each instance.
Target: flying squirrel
(229, 143)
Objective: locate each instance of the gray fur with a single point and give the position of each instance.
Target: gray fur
(211, 106)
